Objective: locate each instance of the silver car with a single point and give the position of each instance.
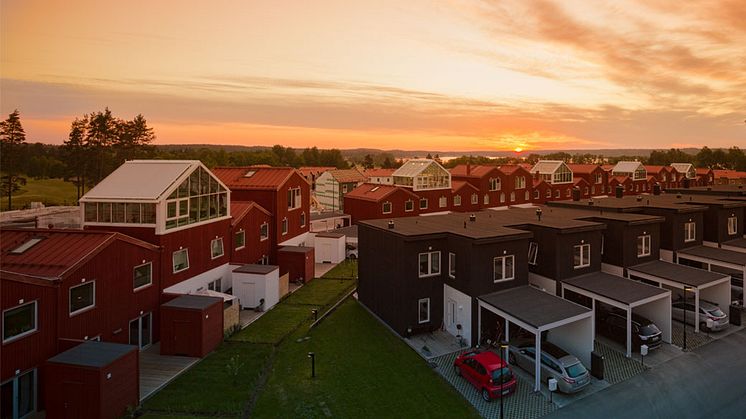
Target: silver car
(570, 374)
(707, 312)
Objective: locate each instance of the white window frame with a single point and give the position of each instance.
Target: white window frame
(218, 282)
(520, 182)
(285, 226)
(474, 199)
(732, 225)
(533, 252)
(383, 207)
(643, 245)
(408, 203)
(222, 248)
(420, 320)
(243, 234)
(133, 276)
(495, 184)
(537, 194)
(86, 308)
(457, 200)
(557, 193)
(295, 198)
(302, 219)
(599, 178)
(430, 271)
(425, 201)
(173, 255)
(690, 231)
(443, 202)
(503, 268)
(585, 250)
(263, 237)
(486, 200)
(28, 332)
(451, 265)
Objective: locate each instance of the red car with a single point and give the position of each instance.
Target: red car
(487, 372)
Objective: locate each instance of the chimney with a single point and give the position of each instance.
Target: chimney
(619, 191)
(468, 168)
(590, 202)
(391, 224)
(575, 193)
(656, 189)
(639, 198)
(472, 217)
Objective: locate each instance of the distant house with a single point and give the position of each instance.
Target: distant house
(311, 173)
(705, 177)
(372, 201)
(422, 175)
(333, 185)
(636, 173)
(596, 177)
(380, 176)
(665, 176)
(553, 179)
(687, 170)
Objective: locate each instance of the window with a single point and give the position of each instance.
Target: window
(512, 197)
(690, 232)
(520, 182)
(732, 225)
(429, 264)
(239, 239)
(198, 198)
(423, 310)
(494, 184)
(643, 245)
(474, 199)
(303, 219)
(502, 197)
(593, 190)
(599, 178)
(504, 268)
(526, 196)
(82, 297)
(294, 198)
(264, 260)
(568, 193)
(19, 321)
(533, 252)
(457, 201)
(284, 226)
(263, 231)
(585, 191)
(486, 199)
(443, 202)
(387, 207)
(180, 260)
(423, 203)
(452, 265)
(216, 248)
(536, 194)
(215, 285)
(557, 193)
(344, 188)
(581, 256)
(409, 205)
(603, 243)
(142, 276)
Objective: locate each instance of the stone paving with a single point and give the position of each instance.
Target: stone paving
(693, 340)
(617, 367)
(524, 403)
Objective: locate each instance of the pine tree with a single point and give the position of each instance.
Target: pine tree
(12, 136)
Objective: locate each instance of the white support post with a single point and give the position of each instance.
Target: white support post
(629, 332)
(593, 318)
(537, 366)
(696, 310)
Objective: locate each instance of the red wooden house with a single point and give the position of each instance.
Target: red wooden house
(596, 177)
(250, 233)
(665, 176)
(371, 201)
(518, 182)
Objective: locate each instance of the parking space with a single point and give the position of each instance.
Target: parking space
(617, 366)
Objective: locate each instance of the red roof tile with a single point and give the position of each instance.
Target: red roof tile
(702, 171)
(347, 175)
(239, 209)
(58, 251)
(263, 178)
(656, 169)
(458, 184)
(475, 170)
(509, 169)
(374, 192)
(379, 172)
(583, 168)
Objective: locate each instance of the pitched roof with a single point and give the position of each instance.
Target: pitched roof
(414, 167)
(583, 168)
(375, 192)
(458, 184)
(627, 166)
(576, 180)
(254, 177)
(474, 170)
(307, 170)
(682, 167)
(143, 180)
(239, 209)
(379, 172)
(703, 170)
(347, 175)
(56, 252)
(654, 168)
(546, 166)
(509, 169)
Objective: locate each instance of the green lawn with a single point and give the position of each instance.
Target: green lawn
(208, 388)
(346, 269)
(362, 370)
(320, 292)
(48, 191)
(274, 325)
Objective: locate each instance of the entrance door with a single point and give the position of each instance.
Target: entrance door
(74, 398)
(141, 331)
(18, 396)
(248, 297)
(451, 313)
(182, 332)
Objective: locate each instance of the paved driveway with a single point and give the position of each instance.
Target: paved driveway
(707, 382)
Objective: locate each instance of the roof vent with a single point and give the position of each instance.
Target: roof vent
(472, 217)
(639, 198)
(391, 224)
(538, 213)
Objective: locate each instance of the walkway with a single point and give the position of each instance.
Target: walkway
(157, 370)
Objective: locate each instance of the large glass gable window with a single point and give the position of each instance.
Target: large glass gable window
(119, 212)
(198, 198)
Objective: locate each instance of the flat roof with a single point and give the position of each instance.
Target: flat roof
(192, 302)
(254, 268)
(739, 242)
(714, 253)
(533, 307)
(296, 249)
(713, 189)
(617, 288)
(631, 203)
(315, 216)
(349, 231)
(93, 354)
(674, 272)
(330, 235)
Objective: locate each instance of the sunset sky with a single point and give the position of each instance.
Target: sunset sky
(416, 74)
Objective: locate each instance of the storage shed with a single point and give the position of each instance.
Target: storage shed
(253, 283)
(330, 247)
(191, 325)
(297, 261)
(92, 380)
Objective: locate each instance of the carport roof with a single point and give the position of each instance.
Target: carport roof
(686, 275)
(533, 307)
(740, 242)
(714, 253)
(616, 288)
(93, 354)
(193, 302)
(253, 268)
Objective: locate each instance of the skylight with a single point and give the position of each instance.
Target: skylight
(375, 188)
(250, 173)
(27, 245)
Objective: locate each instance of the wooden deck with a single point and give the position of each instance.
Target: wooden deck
(157, 370)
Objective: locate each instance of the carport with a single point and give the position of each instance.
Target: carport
(715, 259)
(711, 286)
(736, 245)
(567, 324)
(652, 302)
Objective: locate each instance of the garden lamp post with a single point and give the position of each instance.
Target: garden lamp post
(503, 355)
(313, 364)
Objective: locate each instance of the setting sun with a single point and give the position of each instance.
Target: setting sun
(518, 149)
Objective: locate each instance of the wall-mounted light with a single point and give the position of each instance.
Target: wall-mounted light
(21, 301)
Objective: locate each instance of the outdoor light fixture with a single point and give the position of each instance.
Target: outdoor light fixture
(643, 352)
(538, 213)
(686, 289)
(552, 387)
(313, 364)
(503, 352)
(315, 314)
